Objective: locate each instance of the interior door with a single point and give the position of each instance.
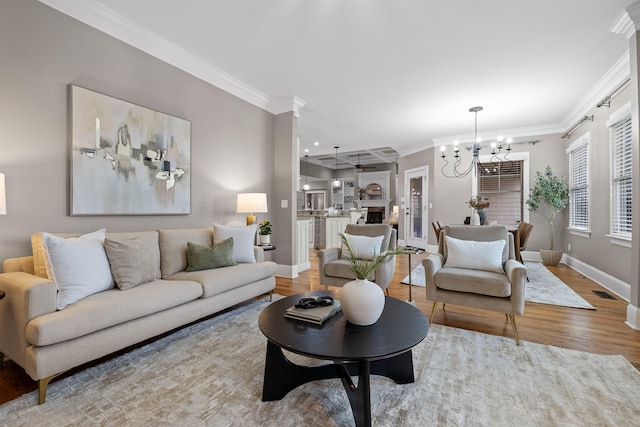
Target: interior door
(416, 218)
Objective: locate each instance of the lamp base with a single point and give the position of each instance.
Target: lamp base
(251, 219)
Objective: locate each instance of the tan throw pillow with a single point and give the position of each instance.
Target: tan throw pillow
(131, 264)
(204, 258)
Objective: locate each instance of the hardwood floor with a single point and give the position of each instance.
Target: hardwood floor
(600, 331)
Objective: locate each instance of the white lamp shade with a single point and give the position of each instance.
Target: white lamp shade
(251, 202)
(3, 197)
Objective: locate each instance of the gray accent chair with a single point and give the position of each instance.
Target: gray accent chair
(334, 271)
(501, 292)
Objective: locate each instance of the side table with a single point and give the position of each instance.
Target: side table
(411, 251)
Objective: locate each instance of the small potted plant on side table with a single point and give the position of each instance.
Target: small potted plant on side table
(549, 196)
(264, 230)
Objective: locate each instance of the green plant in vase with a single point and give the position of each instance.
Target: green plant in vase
(264, 230)
(549, 196)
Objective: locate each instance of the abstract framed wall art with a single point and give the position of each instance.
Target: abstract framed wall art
(127, 159)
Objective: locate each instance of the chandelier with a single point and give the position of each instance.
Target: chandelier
(475, 165)
(306, 186)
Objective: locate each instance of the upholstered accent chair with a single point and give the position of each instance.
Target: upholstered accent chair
(334, 270)
(524, 230)
(476, 267)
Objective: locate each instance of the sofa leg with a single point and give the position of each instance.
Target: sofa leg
(270, 296)
(433, 312)
(42, 387)
(512, 319)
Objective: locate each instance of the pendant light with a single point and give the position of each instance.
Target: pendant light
(336, 184)
(306, 186)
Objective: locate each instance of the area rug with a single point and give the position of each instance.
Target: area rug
(543, 287)
(210, 374)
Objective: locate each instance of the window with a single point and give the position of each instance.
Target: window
(506, 184)
(579, 184)
(502, 184)
(621, 166)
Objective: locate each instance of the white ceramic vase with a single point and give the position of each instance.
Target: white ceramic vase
(475, 218)
(265, 239)
(362, 302)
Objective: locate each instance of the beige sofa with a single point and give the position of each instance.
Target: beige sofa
(47, 342)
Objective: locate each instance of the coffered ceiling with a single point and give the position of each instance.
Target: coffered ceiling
(367, 74)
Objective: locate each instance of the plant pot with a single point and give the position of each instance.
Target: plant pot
(265, 239)
(362, 302)
(550, 257)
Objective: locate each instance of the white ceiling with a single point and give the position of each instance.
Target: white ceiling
(383, 73)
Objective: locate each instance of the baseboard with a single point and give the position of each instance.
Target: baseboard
(617, 286)
(287, 271)
(633, 317)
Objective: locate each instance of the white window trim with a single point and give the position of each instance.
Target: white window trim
(522, 155)
(578, 143)
(616, 117)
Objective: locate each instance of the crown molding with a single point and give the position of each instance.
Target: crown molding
(616, 75)
(283, 105)
(120, 27)
(628, 22)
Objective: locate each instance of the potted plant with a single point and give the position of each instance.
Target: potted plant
(264, 230)
(362, 301)
(549, 196)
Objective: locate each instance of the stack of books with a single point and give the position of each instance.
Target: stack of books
(318, 315)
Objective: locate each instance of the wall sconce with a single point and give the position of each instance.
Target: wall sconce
(251, 203)
(3, 196)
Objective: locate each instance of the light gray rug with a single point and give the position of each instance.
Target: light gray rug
(543, 287)
(210, 374)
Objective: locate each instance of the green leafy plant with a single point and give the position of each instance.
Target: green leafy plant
(362, 268)
(264, 228)
(549, 196)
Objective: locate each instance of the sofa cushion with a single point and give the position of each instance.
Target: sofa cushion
(201, 257)
(173, 247)
(131, 264)
(475, 255)
(243, 240)
(340, 268)
(109, 308)
(484, 233)
(219, 280)
(473, 281)
(151, 245)
(362, 247)
(79, 266)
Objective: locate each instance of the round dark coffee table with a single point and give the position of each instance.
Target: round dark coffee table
(383, 348)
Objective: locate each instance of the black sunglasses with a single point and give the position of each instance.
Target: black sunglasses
(314, 302)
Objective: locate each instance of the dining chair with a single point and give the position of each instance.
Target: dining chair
(437, 228)
(524, 229)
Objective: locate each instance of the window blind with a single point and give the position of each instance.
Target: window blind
(502, 184)
(579, 187)
(621, 169)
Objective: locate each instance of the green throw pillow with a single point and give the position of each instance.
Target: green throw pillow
(203, 257)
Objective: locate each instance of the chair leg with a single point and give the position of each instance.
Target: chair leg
(512, 320)
(433, 311)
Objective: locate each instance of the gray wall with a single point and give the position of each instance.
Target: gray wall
(597, 250)
(42, 52)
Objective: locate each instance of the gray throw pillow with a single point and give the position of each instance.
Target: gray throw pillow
(203, 257)
(131, 264)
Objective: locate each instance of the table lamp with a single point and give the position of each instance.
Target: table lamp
(251, 203)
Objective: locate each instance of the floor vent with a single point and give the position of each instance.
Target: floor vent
(603, 294)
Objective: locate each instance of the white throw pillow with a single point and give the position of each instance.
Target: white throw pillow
(243, 241)
(475, 255)
(79, 266)
(363, 247)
